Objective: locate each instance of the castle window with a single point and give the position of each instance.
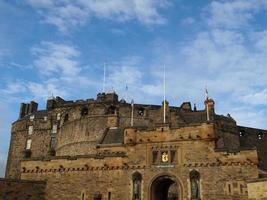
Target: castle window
(53, 143)
(66, 117)
(54, 128)
(98, 196)
(109, 195)
(229, 189)
(58, 116)
(28, 144)
(260, 136)
(241, 133)
(111, 110)
(30, 130)
(31, 117)
(194, 182)
(84, 111)
(173, 156)
(141, 112)
(83, 196)
(154, 157)
(137, 178)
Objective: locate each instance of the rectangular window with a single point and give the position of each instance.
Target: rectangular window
(31, 117)
(173, 156)
(54, 129)
(154, 157)
(28, 144)
(30, 130)
(109, 195)
(98, 197)
(58, 116)
(53, 143)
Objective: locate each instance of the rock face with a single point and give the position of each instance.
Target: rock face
(110, 149)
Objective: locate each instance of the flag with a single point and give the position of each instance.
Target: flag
(206, 94)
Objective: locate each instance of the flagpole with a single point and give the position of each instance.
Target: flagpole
(132, 114)
(207, 103)
(164, 91)
(104, 78)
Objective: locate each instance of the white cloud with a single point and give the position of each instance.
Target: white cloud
(68, 14)
(234, 13)
(256, 98)
(56, 58)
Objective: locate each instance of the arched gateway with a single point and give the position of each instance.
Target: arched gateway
(165, 187)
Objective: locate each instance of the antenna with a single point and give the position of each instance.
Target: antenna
(104, 79)
(164, 96)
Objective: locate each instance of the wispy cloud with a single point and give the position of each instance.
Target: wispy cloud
(55, 58)
(66, 15)
(233, 14)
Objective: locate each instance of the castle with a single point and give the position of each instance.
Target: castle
(108, 149)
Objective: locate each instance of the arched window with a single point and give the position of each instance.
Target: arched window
(260, 136)
(111, 110)
(194, 183)
(141, 112)
(137, 179)
(66, 117)
(84, 111)
(241, 133)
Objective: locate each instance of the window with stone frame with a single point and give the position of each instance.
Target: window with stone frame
(30, 130)
(28, 144)
(173, 156)
(194, 185)
(66, 117)
(54, 128)
(111, 110)
(84, 111)
(260, 136)
(137, 179)
(141, 112)
(155, 157)
(53, 143)
(241, 133)
(58, 116)
(98, 196)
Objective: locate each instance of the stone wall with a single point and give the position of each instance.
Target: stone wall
(109, 172)
(257, 189)
(22, 189)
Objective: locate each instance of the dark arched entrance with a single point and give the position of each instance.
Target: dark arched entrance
(164, 188)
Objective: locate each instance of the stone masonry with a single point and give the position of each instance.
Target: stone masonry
(88, 149)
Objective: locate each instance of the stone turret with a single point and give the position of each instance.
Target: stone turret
(209, 107)
(27, 108)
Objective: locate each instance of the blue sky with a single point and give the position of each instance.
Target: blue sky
(60, 47)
